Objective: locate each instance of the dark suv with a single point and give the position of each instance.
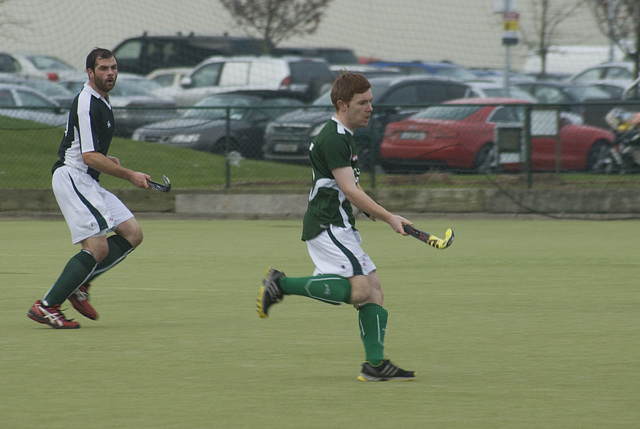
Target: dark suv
(333, 56)
(142, 55)
(394, 98)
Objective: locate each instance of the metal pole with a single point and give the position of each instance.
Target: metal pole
(227, 143)
(527, 145)
(507, 56)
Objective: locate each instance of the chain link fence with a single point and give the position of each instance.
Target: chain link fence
(237, 147)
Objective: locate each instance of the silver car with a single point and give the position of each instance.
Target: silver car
(20, 102)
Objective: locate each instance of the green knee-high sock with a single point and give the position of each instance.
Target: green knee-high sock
(327, 288)
(75, 273)
(373, 324)
(119, 248)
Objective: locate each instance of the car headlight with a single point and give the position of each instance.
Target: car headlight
(270, 127)
(185, 138)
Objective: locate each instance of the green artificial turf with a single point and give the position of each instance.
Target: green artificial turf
(27, 152)
(520, 324)
(26, 157)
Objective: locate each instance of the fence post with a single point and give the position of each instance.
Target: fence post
(527, 145)
(227, 143)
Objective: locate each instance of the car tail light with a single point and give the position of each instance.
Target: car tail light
(53, 76)
(286, 82)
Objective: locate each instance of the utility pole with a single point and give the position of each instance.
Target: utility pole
(510, 34)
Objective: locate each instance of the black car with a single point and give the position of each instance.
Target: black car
(333, 56)
(143, 54)
(204, 126)
(394, 98)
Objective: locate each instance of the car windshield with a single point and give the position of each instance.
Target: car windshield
(129, 88)
(48, 63)
(513, 93)
(458, 73)
(377, 88)
(132, 87)
(340, 57)
(48, 87)
(216, 108)
(582, 93)
(304, 71)
(449, 112)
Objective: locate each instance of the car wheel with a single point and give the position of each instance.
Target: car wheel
(486, 161)
(220, 146)
(600, 160)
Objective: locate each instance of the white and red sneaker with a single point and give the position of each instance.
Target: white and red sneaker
(80, 301)
(51, 316)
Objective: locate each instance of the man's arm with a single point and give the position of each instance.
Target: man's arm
(359, 198)
(111, 166)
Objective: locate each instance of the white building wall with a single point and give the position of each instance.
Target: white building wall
(463, 31)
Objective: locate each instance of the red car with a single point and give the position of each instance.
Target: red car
(460, 134)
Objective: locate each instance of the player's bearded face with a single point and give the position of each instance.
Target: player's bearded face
(105, 74)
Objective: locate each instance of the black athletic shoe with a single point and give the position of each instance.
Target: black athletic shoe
(270, 291)
(386, 371)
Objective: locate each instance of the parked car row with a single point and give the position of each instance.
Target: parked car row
(411, 128)
(204, 126)
(185, 102)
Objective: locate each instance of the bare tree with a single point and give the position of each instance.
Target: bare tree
(277, 20)
(619, 20)
(547, 17)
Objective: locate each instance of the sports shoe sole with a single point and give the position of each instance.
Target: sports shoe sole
(366, 377)
(31, 315)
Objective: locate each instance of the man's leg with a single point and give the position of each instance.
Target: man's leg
(372, 320)
(79, 268)
(372, 317)
(128, 236)
(77, 271)
(328, 288)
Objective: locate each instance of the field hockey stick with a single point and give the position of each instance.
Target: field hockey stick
(166, 187)
(431, 240)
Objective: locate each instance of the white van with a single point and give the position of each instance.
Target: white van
(303, 76)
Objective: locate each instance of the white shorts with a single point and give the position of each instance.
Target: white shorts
(337, 251)
(89, 209)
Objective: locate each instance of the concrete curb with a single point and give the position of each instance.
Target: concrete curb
(258, 205)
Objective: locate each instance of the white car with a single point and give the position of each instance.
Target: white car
(20, 102)
(37, 66)
(169, 76)
(301, 76)
(169, 80)
(620, 70)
